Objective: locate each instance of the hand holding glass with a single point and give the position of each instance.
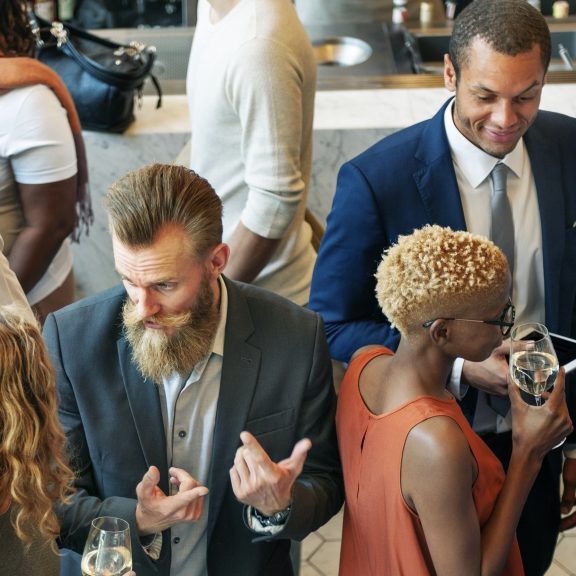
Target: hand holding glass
(533, 362)
(108, 551)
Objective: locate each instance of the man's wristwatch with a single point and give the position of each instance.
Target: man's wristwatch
(277, 519)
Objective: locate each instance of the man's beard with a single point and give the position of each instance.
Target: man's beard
(157, 354)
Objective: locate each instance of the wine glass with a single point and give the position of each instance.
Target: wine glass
(107, 551)
(533, 362)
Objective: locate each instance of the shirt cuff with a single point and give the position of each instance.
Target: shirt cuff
(455, 385)
(153, 548)
(269, 214)
(255, 525)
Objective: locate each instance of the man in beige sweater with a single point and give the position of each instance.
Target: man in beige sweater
(251, 85)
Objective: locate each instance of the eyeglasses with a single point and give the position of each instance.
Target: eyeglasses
(505, 320)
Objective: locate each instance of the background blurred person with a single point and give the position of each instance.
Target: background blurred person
(34, 474)
(424, 494)
(10, 290)
(42, 167)
(251, 85)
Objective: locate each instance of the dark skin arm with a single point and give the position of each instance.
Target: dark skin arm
(249, 254)
(438, 472)
(49, 212)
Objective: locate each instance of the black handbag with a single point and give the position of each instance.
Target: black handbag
(103, 77)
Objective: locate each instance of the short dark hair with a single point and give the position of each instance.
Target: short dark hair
(16, 38)
(145, 201)
(510, 27)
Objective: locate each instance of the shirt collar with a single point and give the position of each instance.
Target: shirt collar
(474, 163)
(218, 343)
(218, 346)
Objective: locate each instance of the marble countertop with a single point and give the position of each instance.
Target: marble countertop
(346, 123)
(345, 110)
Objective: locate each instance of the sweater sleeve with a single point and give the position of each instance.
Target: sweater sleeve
(264, 83)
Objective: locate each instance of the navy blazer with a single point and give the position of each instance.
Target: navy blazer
(276, 383)
(407, 180)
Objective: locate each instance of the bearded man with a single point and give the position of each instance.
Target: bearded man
(198, 409)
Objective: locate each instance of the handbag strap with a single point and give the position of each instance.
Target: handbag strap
(135, 50)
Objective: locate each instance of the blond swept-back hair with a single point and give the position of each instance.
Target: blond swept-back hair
(144, 201)
(436, 272)
(34, 473)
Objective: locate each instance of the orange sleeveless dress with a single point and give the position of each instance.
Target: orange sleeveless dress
(381, 535)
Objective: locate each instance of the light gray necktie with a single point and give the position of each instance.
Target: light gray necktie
(502, 234)
(502, 227)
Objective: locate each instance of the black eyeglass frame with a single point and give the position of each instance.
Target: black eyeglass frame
(505, 327)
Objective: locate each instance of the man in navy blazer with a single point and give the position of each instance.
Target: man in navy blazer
(199, 409)
(438, 171)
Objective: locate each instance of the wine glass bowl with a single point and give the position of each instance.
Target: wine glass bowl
(533, 362)
(107, 551)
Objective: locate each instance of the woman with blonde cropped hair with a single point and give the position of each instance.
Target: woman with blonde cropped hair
(424, 494)
(33, 472)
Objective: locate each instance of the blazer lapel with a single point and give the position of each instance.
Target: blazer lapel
(545, 169)
(436, 179)
(240, 369)
(145, 407)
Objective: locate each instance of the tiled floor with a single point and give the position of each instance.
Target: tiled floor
(321, 552)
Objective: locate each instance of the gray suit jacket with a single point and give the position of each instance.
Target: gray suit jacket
(276, 383)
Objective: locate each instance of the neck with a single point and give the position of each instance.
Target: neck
(428, 367)
(220, 8)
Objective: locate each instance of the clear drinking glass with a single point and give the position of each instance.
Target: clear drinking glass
(107, 551)
(533, 362)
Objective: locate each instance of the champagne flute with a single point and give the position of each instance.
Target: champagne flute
(107, 551)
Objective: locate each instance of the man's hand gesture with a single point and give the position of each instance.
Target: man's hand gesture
(156, 512)
(261, 483)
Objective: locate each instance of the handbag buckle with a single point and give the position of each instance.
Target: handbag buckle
(131, 52)
(59, 32)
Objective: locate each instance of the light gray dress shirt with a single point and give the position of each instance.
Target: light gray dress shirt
(189, 413)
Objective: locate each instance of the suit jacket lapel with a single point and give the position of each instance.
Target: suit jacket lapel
(145, 407)
(436, 179)
(240, 369)
(547, 177)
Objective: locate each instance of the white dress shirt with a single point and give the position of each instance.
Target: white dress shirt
(473, 167)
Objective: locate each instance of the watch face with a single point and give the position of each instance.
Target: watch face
(279, 516)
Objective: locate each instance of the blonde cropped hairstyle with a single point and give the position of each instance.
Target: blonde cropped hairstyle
(33, 471)
(436, 272)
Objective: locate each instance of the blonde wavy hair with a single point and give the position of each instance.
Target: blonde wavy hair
(436, 272)
(34, 473)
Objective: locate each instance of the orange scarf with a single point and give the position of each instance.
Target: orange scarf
(23, 71)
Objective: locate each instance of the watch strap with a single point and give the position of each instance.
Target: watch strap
(277, 519)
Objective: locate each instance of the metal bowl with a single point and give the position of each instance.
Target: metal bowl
(341, 51)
